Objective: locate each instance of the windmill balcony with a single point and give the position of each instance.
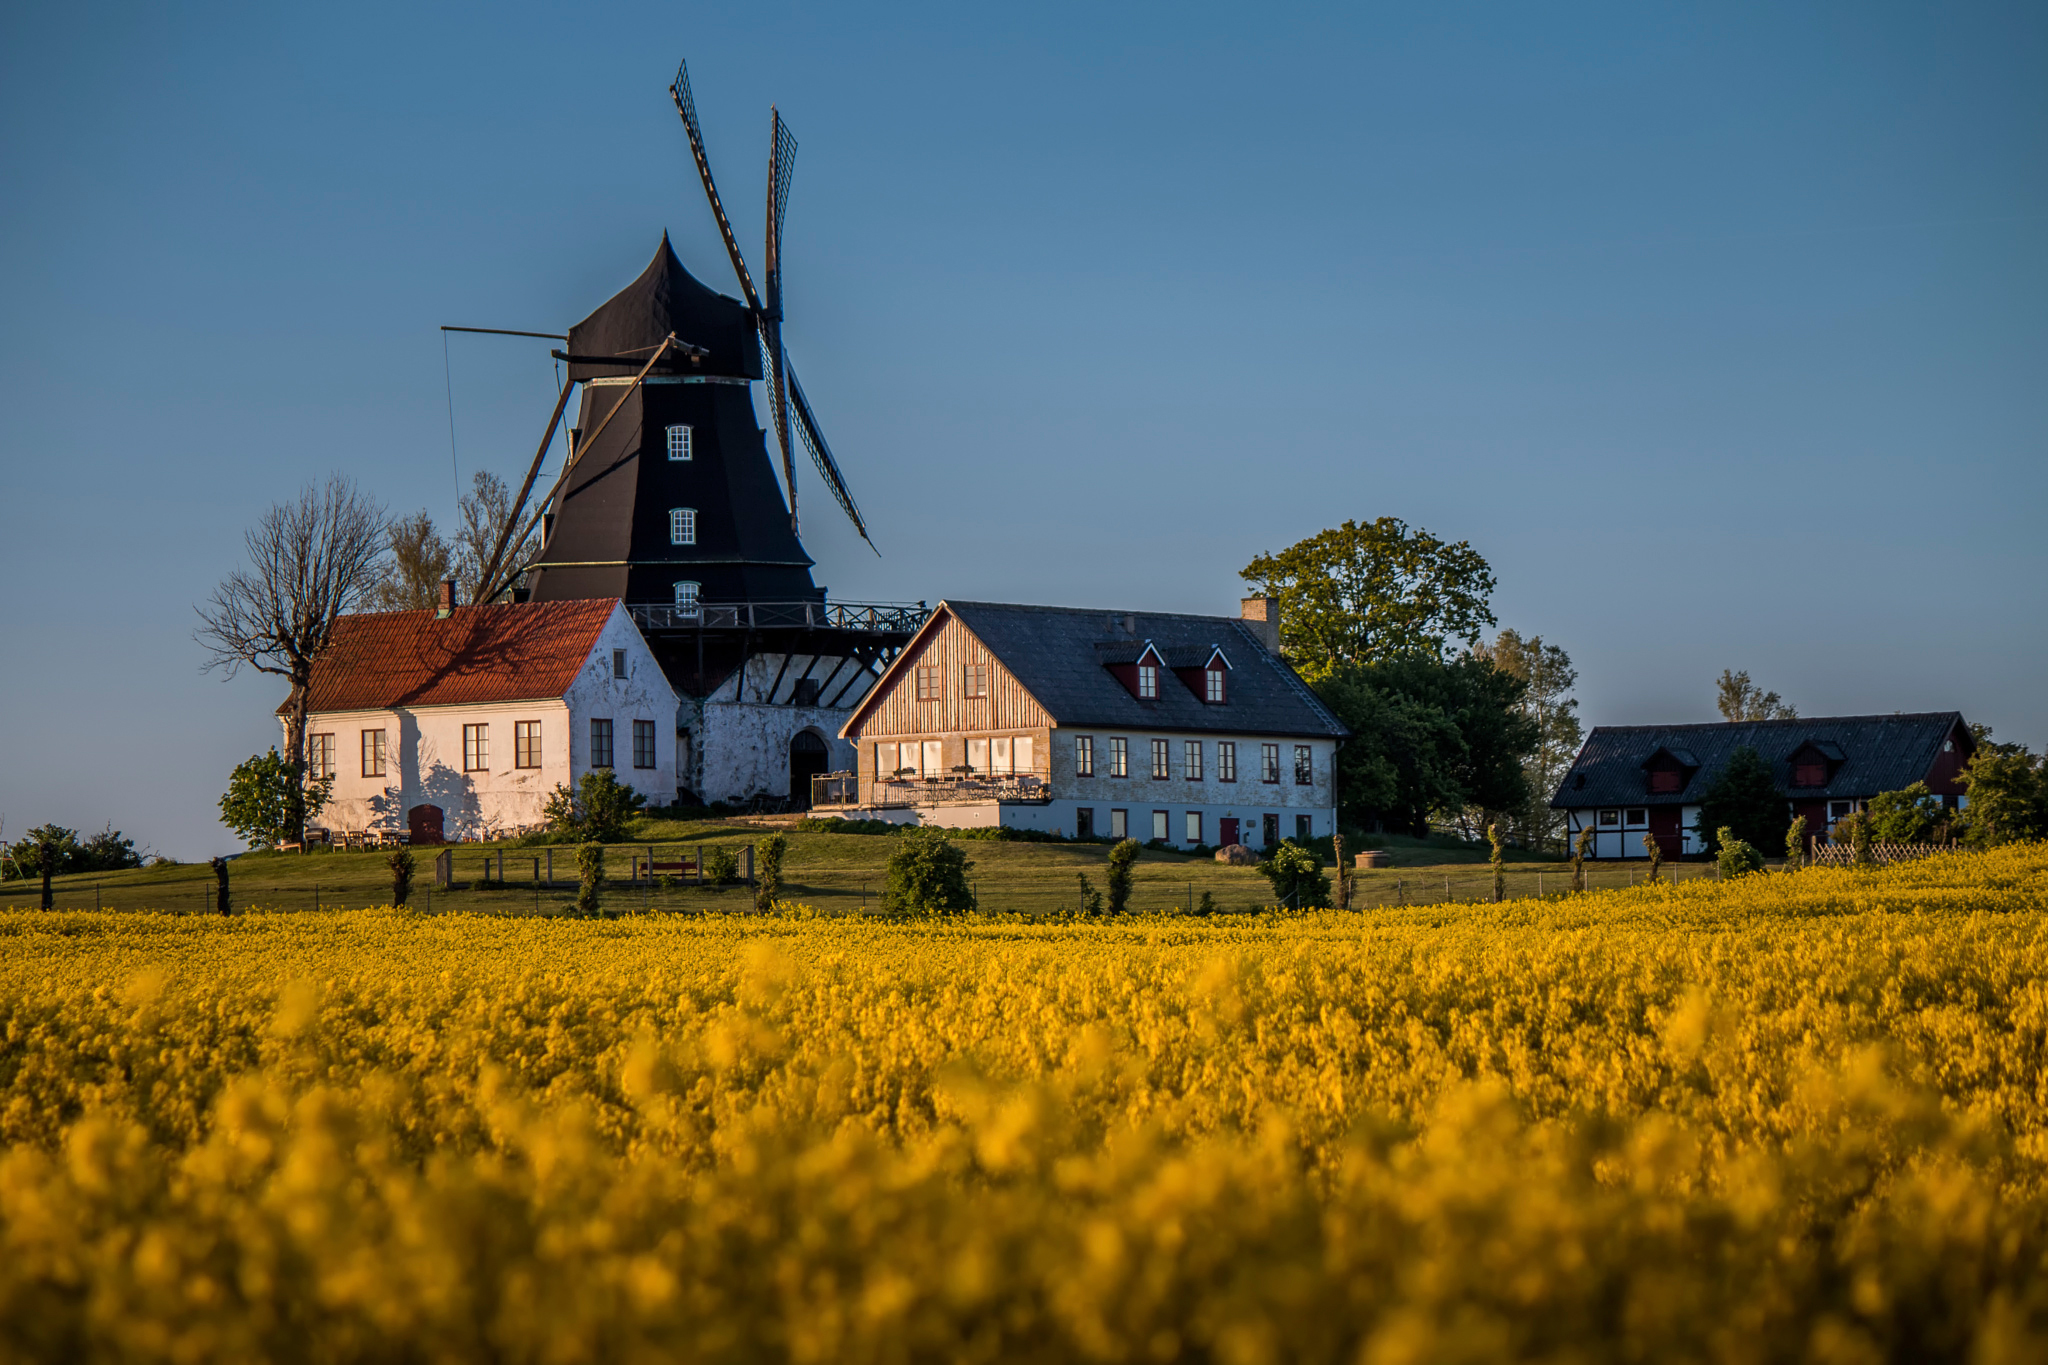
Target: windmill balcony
(888, 617)
(909, 790)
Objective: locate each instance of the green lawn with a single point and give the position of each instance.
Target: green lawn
(836, 873)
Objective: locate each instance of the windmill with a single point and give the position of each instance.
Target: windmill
(785, 394)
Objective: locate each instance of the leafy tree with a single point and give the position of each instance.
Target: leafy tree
(51, 847)
(1741, 699)
(1904, 817)
(266, 803)
(1737, 857)
(2008, 801)
(1297, 876)
(1121, 855)
(107, 851)
(1745, 799)
(927, 875)
(599, 809)
(1581, 849)
(417, 562)
(589, 879)
(1795, 841)
(1366, 592)
(1547, 702)
(768, 871)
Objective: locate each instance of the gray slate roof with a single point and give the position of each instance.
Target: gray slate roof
(1878, 754)
(1052, 651)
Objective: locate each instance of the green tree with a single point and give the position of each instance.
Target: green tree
(768, 871)
(1795, 842)
(107, 851)
(1369, 591)
(1121, 855)
(1743, 797)
(2007, 797)
(1904, 817)
(1548, 675)
(1582, 847)
(1737, 857)
(1741, 699)
(600, 807)
(927, 875)
(590, 879)
(1297, 876)
(50, 846)
(262, 803)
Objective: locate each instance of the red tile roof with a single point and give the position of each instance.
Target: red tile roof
(521, 652)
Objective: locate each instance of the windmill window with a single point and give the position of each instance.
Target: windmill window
(1213, 686)
(682, 526)
(1148, 681)
(686, 598)
(679, 443)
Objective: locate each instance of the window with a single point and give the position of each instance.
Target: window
(1000, 756)
(1270, 828)
(1666, 780)
(643, 744)
(1636, 818)
(1119, 757)
(927, 682)
(1194, 829)
(1269, 763)
(885, 760)
(1159, 825)
(934, 757)
(1191, 759)
(1084, 822)
(686, 598)
(373, 753)
(320, 756)
(619, 665)
(977, 755)
(1148, 681)
(1808, 772)
(1610, 819)
(526, 744)
(1119, 824)
(1022, 744)
(476, 748)
(600, 743)
(1303, 828)
(1084, 755)
(682, 526)
(679, 443)
(1838, 810)
(1212, 687)
(1226, 760)
(1304, 766)
(974, 680)
(1159, 769)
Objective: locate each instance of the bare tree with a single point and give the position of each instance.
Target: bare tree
(1741, 699)
(410, 579)
(486, 513)
(310, 560)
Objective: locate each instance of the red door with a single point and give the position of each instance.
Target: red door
(1664, 827)
(1226, 832)
(423, 825)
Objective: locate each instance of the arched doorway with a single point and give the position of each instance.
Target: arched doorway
(423, 825)
(808, 757)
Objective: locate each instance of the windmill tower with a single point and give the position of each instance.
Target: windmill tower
(669, 500)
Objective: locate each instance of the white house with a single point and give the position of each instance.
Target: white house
(1188, 729)
(456, 723)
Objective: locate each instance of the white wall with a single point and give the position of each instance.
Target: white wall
(743, 734)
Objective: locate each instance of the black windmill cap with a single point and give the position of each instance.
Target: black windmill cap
(667, 298)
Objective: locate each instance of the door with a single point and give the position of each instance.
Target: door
(1226, 831)
(807, 759)
(1271, 830)
(423, 825)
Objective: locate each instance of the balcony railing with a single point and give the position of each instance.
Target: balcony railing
(947, 789)
(893, 618)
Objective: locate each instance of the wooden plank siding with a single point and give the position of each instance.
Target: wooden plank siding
(891, 711)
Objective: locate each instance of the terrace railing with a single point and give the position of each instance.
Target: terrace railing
(890, 618)
(909, 790)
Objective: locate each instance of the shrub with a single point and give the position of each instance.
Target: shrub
(1795, 842)
(927, 875)
(589, 879)
(402, 865)
(1737, 858)
(1656, 854)
(833, 824)
(1207, 905)
(258, 802)
(1580, 848)
(722, 866)
(768, 870)
(1121, 856)
(598, 810)
(1907, 816)
(2008, 799)
(1297, 876)
(1091, 899)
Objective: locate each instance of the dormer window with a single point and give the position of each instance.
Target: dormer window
(1812, 773)
(1666, 780)
(679, 443)
(1148, 682)
(1814, 763)
(1212, 685)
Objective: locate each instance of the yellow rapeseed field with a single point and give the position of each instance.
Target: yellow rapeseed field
(1795, 1117)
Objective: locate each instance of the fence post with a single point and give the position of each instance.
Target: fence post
(750, 864)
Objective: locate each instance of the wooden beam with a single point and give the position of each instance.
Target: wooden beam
(776, 686)
(489, 576)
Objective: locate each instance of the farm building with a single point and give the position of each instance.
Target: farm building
(455, 723)
(1632, 780)
(1188, 729)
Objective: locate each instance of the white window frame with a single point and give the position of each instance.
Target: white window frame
(1193, 832)
(1148, 681)
(320, 756)
(682, 526)
(686, 597)
(1161, 828)
(1119, 823)
(476, 748)
(680, 442)
(1213, 687)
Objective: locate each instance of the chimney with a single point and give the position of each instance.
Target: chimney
(1262, 614)
(447, 607)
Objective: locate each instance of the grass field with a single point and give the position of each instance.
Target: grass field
(1793, 1117)
(835, 873)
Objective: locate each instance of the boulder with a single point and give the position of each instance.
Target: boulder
(1237, 855)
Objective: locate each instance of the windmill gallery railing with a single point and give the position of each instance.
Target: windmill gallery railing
(888, 618)
(941, 789)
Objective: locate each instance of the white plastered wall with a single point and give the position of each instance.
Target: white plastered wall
(741, 733)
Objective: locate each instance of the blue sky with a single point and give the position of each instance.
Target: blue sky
(1718, 330)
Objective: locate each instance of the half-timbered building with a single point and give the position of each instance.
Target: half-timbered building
(1187, 729)
(1632, 780)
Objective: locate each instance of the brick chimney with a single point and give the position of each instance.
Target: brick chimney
(1262, 614)
(447, 607)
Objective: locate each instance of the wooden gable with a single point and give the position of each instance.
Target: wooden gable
(925, 691)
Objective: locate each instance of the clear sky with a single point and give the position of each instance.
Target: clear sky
(1721, 330)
